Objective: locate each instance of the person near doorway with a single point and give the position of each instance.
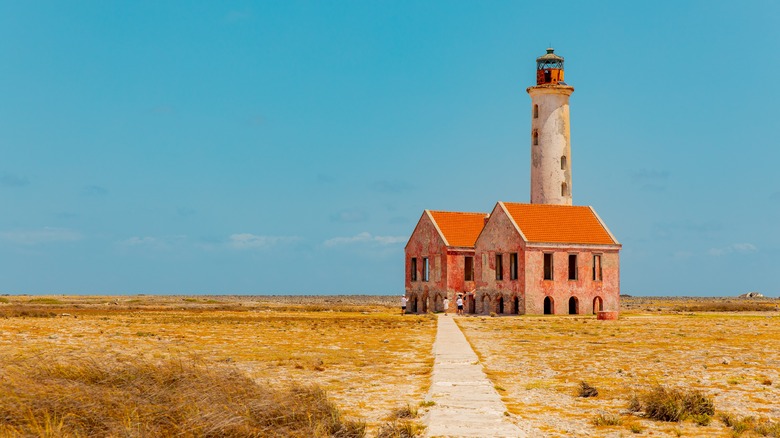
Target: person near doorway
(403, 304)
(459, 302)
(446, 305)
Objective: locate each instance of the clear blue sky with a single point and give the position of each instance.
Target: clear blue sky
(285, 147)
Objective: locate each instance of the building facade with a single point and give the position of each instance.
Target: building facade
(545, 257)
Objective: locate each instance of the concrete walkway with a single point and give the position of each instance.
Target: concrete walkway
(467, 405)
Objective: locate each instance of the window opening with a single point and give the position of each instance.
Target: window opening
(548, 306)
(572, 266)
(499, 267)
(573, 306)
(426, 269)
(548, 266)
(536, 111)
(468, 269)
(563, 162)
(598, 305)
(564, 189)
(413, 269)
(597, 267)
(513, 266)
(536, 137)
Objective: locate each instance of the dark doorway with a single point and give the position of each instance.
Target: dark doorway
(413, 308)
(548, 306)
(598, 305)
(500, 305)
(471, 304)
(573, 306)
(516, 305)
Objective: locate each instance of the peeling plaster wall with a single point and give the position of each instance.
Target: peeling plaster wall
(499, 237)
(446, 269)
(561, 289)
(554, 141)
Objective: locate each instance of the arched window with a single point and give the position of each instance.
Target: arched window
(536, 137)
(564, 189)
(536, 111)
(549, 308)
(574, 306)
(563, 162)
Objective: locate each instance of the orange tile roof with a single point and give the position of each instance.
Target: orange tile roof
(559, 224)
(460, 229)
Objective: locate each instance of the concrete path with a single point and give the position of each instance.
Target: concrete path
(467, 405)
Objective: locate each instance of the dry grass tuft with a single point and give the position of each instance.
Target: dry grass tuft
(759, 426)
(17, 311)
(672, 404)
(401, 429)
(604, 419)
(73, 396)
(585, 390)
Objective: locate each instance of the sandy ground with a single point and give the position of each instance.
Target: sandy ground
(372, 360)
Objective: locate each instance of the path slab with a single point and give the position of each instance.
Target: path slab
(467, 405)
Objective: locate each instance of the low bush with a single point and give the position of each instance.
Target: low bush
(401, 429)
(760, 426)
(607, 420)
(91, 396)
(585, 390)
(672, 404)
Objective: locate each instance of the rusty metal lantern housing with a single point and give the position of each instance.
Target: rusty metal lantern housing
(549, 69)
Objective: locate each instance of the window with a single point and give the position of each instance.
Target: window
(564, 189)
(597, 267)
(499, 267)
(536, 137)
(426, 269)
(414, 268)
(513, 266)
(468, 269)
(572, 266)
(536, 111)
(548, 266)
(563, 162)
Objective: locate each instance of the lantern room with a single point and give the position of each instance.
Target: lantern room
(549, 69)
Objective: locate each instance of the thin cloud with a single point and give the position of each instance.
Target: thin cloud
(349, 216)
(41, 236)
(156, 243)
(651, 180)
(94, 190)
(739, 248)
(11, 180)
(391, 186)
(364, 238)
(253, 241)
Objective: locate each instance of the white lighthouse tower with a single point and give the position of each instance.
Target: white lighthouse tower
(550, 133)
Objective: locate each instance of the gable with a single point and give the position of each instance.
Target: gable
(545, 223)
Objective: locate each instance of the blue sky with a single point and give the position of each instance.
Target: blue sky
(286, 147)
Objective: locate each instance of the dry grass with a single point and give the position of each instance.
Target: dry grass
(77, 396)
(674, 404)
(368, 362)
(540, 361)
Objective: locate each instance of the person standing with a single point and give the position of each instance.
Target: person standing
(446, 305)
(459, 302)
(403, 304)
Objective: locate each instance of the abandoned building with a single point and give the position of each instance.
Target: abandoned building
(546, 257)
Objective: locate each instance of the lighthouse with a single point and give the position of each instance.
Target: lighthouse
(550, 133)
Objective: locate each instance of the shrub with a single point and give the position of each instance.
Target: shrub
(4, 300)
(607, 420)
(587, 391)
(401, 429)
(671, 404)
(762, 426)
(407, 411)
(77, 396)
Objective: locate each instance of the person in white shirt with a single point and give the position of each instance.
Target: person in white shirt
(459, 302)
(446, 305)
(403, 304)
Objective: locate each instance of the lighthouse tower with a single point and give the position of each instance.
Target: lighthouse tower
(550, 133)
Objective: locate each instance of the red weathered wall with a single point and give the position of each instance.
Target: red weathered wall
(561, 289)
(498, 237)
(446, 268)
